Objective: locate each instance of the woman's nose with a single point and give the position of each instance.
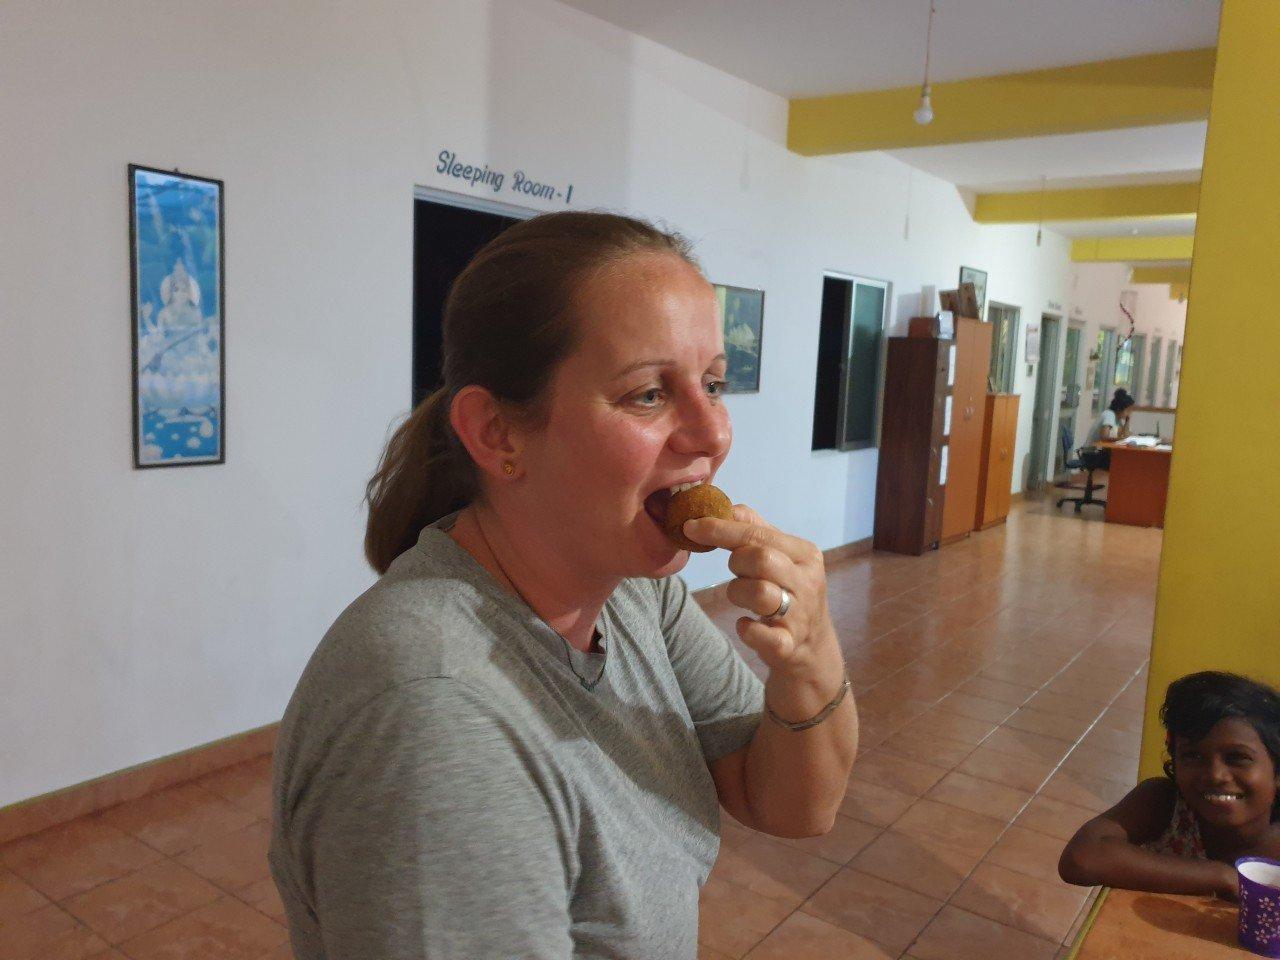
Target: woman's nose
(704, 428)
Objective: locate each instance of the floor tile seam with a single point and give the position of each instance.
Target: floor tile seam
(911, 946)
(119, 945)
(1037, 792)
(1013, 819)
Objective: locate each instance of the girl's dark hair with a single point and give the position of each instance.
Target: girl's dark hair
(508, 324)
(1121, 401)
(1195, 703)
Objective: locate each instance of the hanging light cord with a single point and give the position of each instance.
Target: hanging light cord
(1040, 224)
(928, 42)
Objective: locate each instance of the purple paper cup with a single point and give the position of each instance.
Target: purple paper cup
(1259, 905)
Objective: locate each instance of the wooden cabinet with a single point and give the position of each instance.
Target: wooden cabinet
(995, 473)
(909, 501)
(968, 403)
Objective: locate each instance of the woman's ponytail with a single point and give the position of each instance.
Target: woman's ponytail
(425, 474)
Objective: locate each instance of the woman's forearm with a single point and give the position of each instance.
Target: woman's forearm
(1117, 863)
(796, 779)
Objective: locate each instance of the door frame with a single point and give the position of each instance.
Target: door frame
(887, 286)
(1044, 412)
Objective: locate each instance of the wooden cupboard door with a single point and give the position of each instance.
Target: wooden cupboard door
(967, 413)
(1010, 445)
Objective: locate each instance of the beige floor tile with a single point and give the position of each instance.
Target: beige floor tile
(1029, 852)
(978, 708)
(872, 908)
(928, 748)
(1023, 772)
(774, 869)
(959, 935)
(733, 919)
(1014, 694)
(179, 819)
(226, 929)
(842, 843)
(1052, 817)
(897, 772)
(49, 933)
(233, 861)
(1093, 793)
(933, 869)
(874, 804)
(1044, 908)
(979, 796)
(1050, 724)
(17, 897)
(930, 822)
(803, 937)
(69, 859)
(141, 901)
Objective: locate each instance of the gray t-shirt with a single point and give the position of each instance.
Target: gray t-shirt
(447, 786)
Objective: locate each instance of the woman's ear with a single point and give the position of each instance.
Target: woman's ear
(488, 434)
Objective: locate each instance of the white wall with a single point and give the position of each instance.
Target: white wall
(144, 612)
(1095, 304)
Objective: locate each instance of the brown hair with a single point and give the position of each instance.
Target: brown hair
(508, 324)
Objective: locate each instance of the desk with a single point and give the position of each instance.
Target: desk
(1127, 925)
(1137, 484)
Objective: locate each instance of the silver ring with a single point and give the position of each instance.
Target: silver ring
(783, 607)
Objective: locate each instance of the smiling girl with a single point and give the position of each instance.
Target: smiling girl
(1218, 800)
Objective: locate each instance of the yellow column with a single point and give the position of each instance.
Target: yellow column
(1218, 605)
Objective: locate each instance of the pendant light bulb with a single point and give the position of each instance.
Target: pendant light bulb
(924, 112)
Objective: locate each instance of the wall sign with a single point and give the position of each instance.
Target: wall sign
(519, 182)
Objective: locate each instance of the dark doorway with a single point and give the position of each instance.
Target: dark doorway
(445, 238)
(836, 297)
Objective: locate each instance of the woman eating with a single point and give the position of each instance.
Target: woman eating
(517, 741)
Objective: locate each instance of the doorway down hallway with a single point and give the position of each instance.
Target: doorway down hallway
(1000, 685)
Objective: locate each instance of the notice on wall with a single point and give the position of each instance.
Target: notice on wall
(946, 417)
(1033, 343)
(942, 466)
(477, 176)
(951, 365)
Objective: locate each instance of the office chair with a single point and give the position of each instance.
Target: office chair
(1089, 460)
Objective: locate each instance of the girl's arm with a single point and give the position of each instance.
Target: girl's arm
(1106, 850)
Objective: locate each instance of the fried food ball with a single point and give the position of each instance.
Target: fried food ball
(704, 500)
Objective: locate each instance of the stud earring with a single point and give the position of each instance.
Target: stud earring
(508, 468)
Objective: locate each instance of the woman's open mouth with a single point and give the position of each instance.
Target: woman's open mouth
(656, 503)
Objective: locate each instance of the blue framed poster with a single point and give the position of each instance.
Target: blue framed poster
(742, 317)
(176, 281)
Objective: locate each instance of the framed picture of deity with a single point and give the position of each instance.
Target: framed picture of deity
(177, 292)
(742, 317)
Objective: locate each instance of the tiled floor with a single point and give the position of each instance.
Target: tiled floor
(1000, 682)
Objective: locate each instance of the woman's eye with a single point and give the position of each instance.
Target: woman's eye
(649, 397)
(716, 387)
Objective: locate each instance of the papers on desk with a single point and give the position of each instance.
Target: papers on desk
(1145, 443)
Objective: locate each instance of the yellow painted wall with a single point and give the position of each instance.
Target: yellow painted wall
(1218, 605)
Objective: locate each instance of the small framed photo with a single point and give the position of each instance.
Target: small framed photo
(177, 289)
(742, 317)
(979, 280)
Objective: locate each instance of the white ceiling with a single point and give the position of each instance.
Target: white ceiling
(1149, 227)
(1167, 153)
(798, 48)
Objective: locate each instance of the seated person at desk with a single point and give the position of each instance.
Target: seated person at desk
(1114, 422)
(1219, 798)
